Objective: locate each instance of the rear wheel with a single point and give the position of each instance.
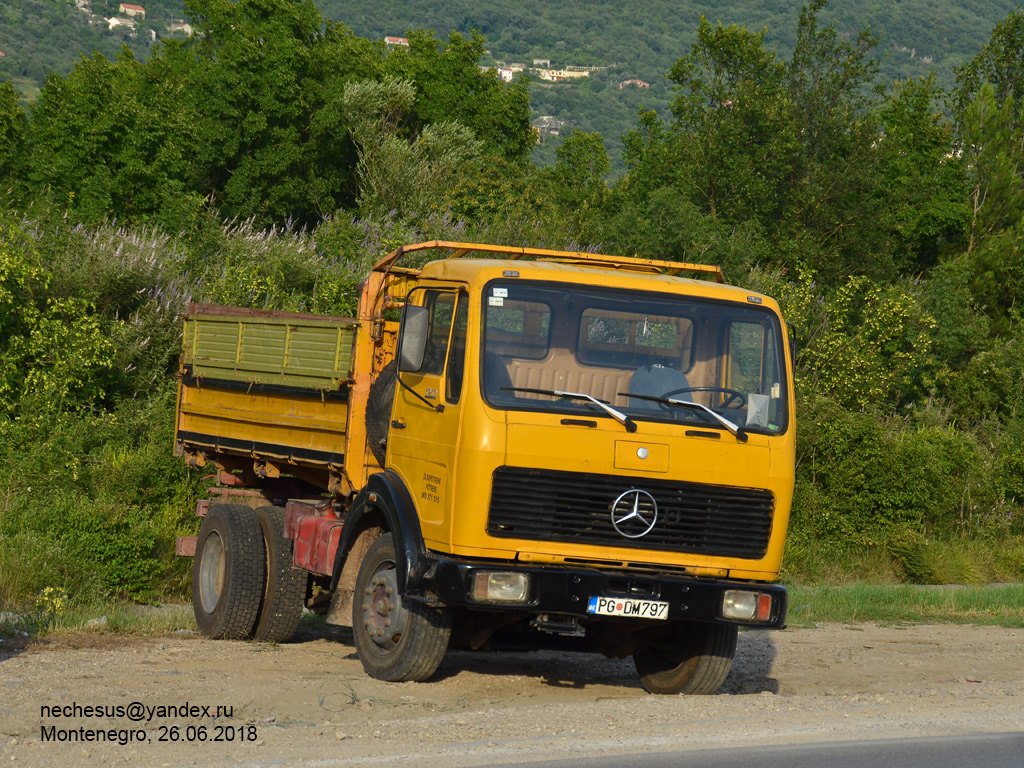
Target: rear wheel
(285, 586)
(695, 660)
(396, 640)
(228, 572)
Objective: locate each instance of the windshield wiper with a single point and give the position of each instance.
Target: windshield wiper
(619, 416)
(740, 433)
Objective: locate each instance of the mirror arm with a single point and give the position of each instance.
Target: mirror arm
(437, 407)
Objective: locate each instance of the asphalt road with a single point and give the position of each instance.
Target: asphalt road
(1005, 750)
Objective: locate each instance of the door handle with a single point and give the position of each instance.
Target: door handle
(398, 424)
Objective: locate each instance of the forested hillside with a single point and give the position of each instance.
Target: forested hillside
(270, 158)
(643, 41)
(915, 37)
(42, 36)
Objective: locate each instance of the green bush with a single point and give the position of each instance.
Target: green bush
(860, 478)
(867, 345)
(991, 385)
(94, 501)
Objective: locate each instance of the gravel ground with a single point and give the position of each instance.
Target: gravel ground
(308, 702)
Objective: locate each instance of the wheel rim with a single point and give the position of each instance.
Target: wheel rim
(211, 572)
(384, 616)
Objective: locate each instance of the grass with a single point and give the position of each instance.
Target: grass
(915, 560)
(1001, 605)
(120, 618)
(111, 619)
(996, 604)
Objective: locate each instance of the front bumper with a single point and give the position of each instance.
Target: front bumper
(557, 590)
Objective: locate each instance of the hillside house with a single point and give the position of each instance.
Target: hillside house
(542, 62)
(546, 126)
(391, 41)
(558, 75)
(132, 11)
(505, 73)
(116, 21)
(180, 26)
(634, 82)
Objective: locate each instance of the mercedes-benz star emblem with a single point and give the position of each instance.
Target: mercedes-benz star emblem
(634, 513)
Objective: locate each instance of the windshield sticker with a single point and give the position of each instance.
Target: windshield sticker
(495, 301)
(757, 410)
(501, 293)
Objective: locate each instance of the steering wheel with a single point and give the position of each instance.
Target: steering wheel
(732, 394)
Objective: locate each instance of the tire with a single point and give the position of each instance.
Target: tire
(228, 572)
(378, 410)
(696, 660)
(284, 587)
(395, 640)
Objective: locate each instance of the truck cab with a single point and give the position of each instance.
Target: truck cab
(555, 381)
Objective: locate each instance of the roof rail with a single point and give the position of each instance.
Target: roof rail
(389, 262)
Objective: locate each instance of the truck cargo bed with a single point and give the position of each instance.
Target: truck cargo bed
(265, 384)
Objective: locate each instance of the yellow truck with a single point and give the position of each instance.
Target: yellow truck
(507, 448)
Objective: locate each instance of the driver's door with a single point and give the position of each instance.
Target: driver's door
(425, 424)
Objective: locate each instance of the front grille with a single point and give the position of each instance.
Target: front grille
(548, 505)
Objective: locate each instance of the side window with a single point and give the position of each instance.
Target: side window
(753, 369)
(457, 354)
(441, 306)
(518, 328)
(747, 342)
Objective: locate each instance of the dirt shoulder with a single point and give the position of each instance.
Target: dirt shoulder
(309, 703)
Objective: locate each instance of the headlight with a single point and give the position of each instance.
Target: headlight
(746, 606)
(501, 587)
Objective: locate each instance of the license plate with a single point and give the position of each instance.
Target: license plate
(623, 606)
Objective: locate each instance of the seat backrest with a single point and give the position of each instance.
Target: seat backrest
(496, 378)
(656, 381)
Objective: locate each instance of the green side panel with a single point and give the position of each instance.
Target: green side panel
(298, 353)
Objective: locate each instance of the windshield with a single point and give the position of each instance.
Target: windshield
(559, 347)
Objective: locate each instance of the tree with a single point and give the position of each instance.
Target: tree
(12, 130)
(645, 151)
(921, 188)
(710, 186)
(1000, 63)
(733, 117)
(993, 150)
(450, 86)
(395, 173)
(993, 147)
(264, 70)
(829, 83)
(579, 172)
(83, 130)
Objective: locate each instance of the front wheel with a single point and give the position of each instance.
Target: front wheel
(396, 640)
(694, 660)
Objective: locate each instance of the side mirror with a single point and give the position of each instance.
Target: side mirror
(412, 344)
